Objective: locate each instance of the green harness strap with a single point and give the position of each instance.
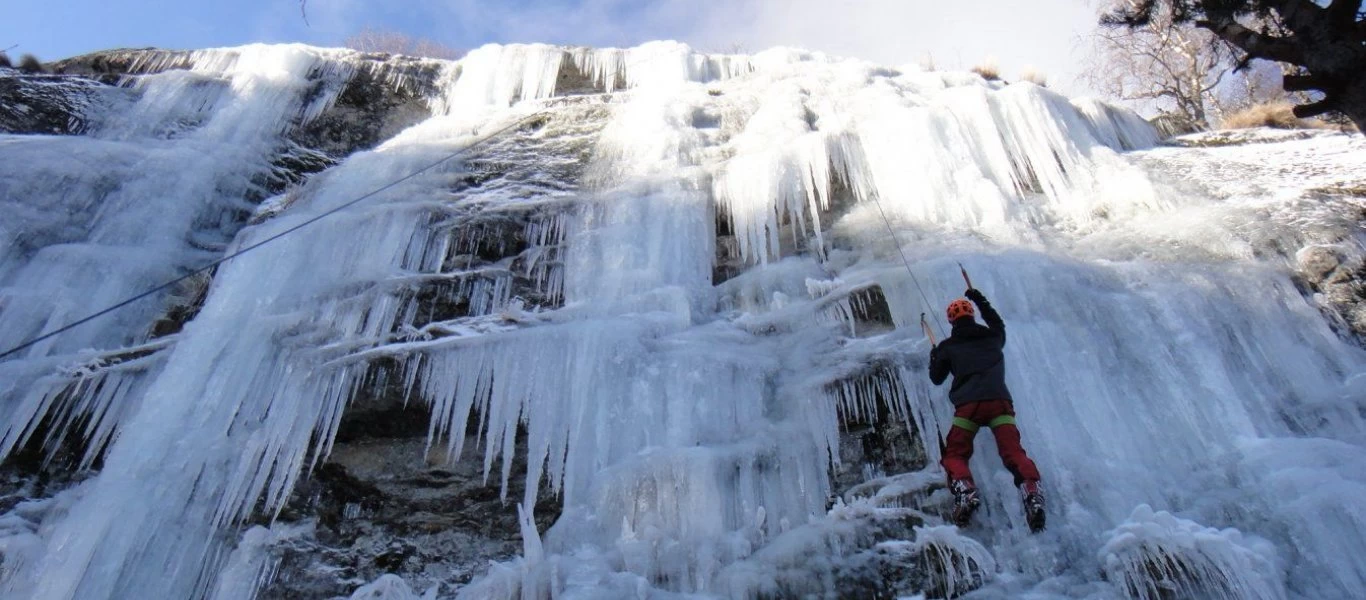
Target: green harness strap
(973, 427)
(1001, 420)
(962, 423)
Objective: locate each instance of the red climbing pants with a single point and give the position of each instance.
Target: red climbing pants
(999, 415)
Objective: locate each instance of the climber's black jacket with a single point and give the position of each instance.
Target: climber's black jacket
(973, 354)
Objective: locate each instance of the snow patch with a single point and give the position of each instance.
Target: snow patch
(1156, 554)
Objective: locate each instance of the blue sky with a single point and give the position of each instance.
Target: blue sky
(1044, 34)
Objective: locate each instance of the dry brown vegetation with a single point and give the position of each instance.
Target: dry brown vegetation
(1268, 114)
(988, 69)
(393, 42)
(1034, 76)
(4, 61)
(1279, 115)
(29, 63)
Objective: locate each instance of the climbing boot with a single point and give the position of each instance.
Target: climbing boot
(965, 501)
(1032, 497)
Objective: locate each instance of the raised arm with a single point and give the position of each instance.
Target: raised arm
(939, 366)
(989, 314)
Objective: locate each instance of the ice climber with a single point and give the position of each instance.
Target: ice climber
(973, 355)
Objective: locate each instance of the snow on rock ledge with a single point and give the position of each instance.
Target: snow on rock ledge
(1156, 555)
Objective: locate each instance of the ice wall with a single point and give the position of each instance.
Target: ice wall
(159, 184)
(1160, 353)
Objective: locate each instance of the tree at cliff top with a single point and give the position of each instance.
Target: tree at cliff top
(1177, 69)
(394, 42)
(1326, 43)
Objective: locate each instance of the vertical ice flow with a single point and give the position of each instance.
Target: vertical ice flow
(685, 425)
(157, 187)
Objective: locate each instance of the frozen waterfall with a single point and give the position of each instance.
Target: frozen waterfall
(671, 344)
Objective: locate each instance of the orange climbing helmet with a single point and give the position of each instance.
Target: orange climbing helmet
(960, 308)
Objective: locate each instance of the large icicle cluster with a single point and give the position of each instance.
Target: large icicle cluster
(1155, 555)
(685, 423)
(152, 188)
(497, 75)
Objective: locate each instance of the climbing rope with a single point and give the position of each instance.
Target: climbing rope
(914, 280)
(938, 431)
(272, 238)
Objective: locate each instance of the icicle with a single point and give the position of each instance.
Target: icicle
(495, 75)
(958, 563)
(1155, 554)
(1118, 129)
(225, 114)
(252, 564)
(686, 428)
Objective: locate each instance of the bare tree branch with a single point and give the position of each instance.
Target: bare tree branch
(1296, 14)
(1171, 67)
(1254, 44)
(1322, 38)
(1344, 12)
(1305, 111)
(1303, 83)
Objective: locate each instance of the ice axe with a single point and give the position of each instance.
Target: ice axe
(966, 279)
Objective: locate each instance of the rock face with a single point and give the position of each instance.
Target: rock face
(1314, 171)
(1338, 281)
(378, 489)
(878, 443)
(111, 66)
(1335, 274)
(385, 503)
(386, 95)
(382, 502)
(44, 104)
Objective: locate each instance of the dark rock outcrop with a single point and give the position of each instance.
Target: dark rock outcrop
(44, 104)
(1337, 281)
(381, 99)
(385, 503)
(879, 443)
(110, 66)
